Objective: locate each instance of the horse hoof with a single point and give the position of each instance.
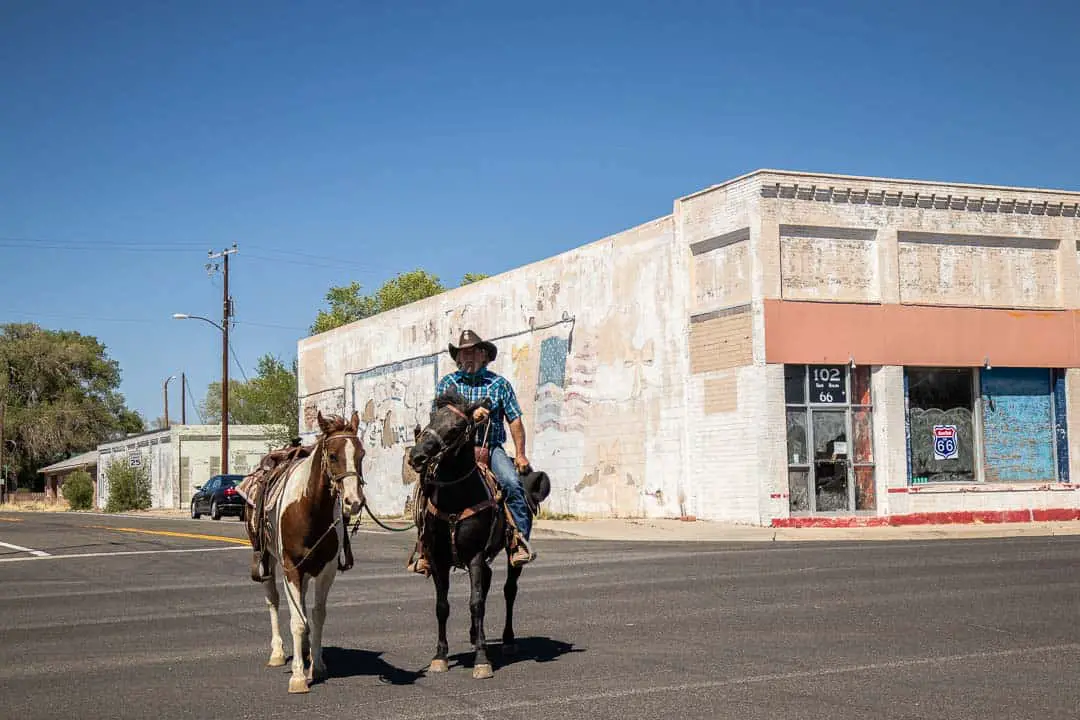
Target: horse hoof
(298, 685)
(438, 666)
(509, 648)
(276, 661)
(482, 672)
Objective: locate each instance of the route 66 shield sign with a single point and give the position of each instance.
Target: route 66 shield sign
(945, 442)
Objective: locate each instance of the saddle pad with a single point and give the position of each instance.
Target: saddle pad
(249, 486)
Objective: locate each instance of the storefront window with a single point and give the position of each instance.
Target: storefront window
(829, 438)
(941, 424)
(993, 425)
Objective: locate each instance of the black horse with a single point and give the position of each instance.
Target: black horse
(462, 524)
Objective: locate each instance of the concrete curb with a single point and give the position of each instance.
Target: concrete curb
(673, 530)
(637, 530)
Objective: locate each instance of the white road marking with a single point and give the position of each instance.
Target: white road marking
(20, 548)
(46, 556)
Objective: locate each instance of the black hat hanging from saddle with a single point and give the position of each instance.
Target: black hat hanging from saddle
(470, 339)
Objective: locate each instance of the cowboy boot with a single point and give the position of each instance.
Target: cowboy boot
(417, 562)
(520, 552)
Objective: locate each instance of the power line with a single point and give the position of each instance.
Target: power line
(91, 245)
(151, 321)
(237, 361)
(262, 254)
(194, 404)
(328, 263)
(269, 325)
(62, 316)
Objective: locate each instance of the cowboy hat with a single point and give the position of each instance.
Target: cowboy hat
(537, 486)
(470, 339)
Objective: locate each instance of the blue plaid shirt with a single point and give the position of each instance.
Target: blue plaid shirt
(497, 389)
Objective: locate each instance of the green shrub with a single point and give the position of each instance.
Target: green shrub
(129, 488)
(79, 490)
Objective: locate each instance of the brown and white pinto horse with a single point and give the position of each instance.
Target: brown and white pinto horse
(306, 533)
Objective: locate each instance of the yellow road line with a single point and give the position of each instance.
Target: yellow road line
(167, 533)
(10, 519)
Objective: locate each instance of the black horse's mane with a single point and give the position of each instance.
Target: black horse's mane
(450, 397)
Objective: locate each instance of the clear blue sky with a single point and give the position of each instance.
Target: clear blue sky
(367, 138)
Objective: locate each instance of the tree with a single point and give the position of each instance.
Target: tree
(269, 398)
(347, 305)
(470, 278)
(61, 393)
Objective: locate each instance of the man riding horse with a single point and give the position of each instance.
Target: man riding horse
(475, 382)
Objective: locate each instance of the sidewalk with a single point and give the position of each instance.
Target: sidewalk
(654, 530)
(673, 530)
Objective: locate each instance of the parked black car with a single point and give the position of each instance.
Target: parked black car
(218, 497)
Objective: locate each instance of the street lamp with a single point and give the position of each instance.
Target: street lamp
(165, 388)
(224, 385)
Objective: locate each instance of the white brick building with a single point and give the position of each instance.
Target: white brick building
(184, 456)
(783, 348)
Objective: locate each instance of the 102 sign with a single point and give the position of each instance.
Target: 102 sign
(828, 384)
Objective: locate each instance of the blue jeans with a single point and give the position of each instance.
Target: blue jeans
(510, 482)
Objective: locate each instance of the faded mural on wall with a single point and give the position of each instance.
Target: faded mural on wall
(561, 399)
(392, 400)
(328, 402)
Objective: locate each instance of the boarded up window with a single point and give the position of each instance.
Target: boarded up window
(720, 341)
(1018, 425)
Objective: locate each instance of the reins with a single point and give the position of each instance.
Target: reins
(453, 519)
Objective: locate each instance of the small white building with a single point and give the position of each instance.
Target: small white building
(184, 456)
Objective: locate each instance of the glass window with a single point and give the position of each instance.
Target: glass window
(796, 438)
(860, 385)
(830, 446)
(795, 384)
(798, 496)
(941, 404)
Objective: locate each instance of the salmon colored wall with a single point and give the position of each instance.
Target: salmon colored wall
(891, 334)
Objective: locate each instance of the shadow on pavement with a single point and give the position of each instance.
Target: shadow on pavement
(350, 662)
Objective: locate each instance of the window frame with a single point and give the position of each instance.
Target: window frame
(848, 407)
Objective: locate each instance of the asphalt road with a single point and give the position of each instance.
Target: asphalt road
(167, 626)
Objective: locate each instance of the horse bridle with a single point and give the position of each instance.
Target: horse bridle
(432, 465)
(337, 485)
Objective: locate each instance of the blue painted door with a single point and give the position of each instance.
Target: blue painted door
(1018, 425)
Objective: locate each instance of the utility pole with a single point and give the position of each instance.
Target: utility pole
(183, 399)
(5, 377)
(3, 470)
(226, 313)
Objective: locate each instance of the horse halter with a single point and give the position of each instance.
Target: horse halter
(337, 485)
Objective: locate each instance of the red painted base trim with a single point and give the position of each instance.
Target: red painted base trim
(938, 518)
